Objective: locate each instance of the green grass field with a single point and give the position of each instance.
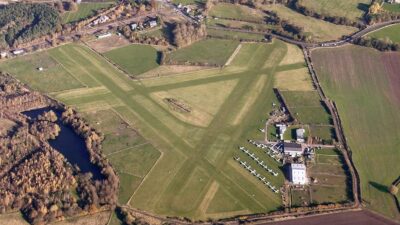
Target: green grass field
(363, 83)
(351, 9)
(85, 10)
(319, 30)
(331, 185)
(188, 2)
(391, 7)
(134, 59)
(234, 35)
(237, 24)
(227, 10)
(53, 78)
(209, 51)
(166, 164)
(389, 33)
(306, 107)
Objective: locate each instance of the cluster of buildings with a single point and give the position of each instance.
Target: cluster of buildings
(16, 52)
(147, 24)
(297, 171)
(188, 11)
(99, 20)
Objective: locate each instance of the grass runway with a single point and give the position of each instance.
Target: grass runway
(168, 165)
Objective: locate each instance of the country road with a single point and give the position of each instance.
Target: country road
(304, 44)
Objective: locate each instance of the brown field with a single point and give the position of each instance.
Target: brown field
(5, 126)
(108, 44)
(166, 70)
(12, 219)
(95, 219)
(365, 83)
(346, 218)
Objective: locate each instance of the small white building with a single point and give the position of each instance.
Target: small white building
(298, 174)
(100, 36)
(300, 135)
(18, 52)
(3, 55)
(152, 23)
(282, 129)
(292, 149)
(393, 1)
(187, 9)
(134, 26)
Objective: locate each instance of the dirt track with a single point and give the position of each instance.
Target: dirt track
(345, 218)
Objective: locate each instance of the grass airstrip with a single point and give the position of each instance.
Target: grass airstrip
(172, 138)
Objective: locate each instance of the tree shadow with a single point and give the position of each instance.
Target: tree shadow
(362, 6)
(379, 187)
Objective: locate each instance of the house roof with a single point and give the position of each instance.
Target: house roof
(292, 147)
(298, 166)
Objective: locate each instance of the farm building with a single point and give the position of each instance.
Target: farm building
(300, 135)
(18, 52)
(3, 55)
(100, 36)
(152, 23)
(134, 26)
(298, 174)
(282, 128)
(292, 149)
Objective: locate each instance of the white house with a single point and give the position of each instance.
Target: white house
(153, 23)
(134, 26)
(393, 1)
(282, 128)
(292, 149)
(300, 135)
(298, 174)
(3, 55)
(18, 51)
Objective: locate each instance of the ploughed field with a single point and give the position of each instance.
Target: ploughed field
(353, 218)
(364, 84)
(172, 138)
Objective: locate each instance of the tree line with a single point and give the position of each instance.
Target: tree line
(379, 44)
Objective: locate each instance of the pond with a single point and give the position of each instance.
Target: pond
(70, 144)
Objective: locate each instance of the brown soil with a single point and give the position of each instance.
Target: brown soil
(345, 218)
(108, 44)
(391, 61)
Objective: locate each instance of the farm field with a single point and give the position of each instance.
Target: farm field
(169, 164)
(208, 52)
(134, 59)
(318, 30)
(391, 33)
(235, 11)
(365, 82)
(306, 107)
(331, 184)
(351, 9)
(391, 7)
(84, 10)
(234, 35)
(238, 24)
